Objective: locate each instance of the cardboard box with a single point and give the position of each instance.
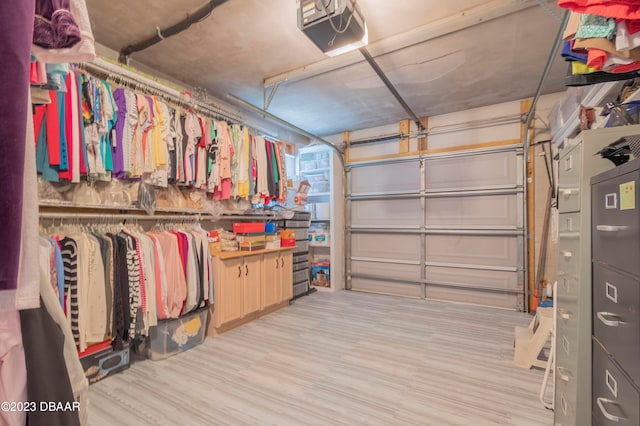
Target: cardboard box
(215, 247)
(100, 361)
(321, 274)
(252, 246)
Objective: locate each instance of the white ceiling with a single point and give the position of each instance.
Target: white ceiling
(245, 42)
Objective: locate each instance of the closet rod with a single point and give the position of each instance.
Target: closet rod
(102, 66)
(112, 217)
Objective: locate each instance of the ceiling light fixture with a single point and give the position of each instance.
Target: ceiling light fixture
(335, 26)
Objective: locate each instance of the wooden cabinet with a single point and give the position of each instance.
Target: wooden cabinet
(228, 286)
(252, 280)
(277, 283)
(271, 287)
(237, 283)
(248, 285)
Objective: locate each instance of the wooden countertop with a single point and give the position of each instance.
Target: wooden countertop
(233, 254)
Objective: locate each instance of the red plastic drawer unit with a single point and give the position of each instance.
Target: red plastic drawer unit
(248, 227)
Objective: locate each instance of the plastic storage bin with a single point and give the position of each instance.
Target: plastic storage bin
(170, 337)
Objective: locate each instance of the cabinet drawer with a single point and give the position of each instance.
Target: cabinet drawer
(289, 224)
(616, 321)
(301, 247)
(615, 222)
(569, 225)
(568, 287)
(300, 276)
(564, 408)
(301, 233)
(300, 266)
(615, 400)
(567, 339)
(569, 251)
(569, 187)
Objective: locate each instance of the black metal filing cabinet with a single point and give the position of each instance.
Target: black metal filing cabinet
(615, 224)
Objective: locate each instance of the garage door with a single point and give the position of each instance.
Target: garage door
(447, 227)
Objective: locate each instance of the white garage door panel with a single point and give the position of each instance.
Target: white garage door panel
(387, 270)
(386, 213)
(473, 211)
(385, 287)
(473, 250)
(385, 246)
(473, 277)
(389, 178)
(491, 170)
(478, 297)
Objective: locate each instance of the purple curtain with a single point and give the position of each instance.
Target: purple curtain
(16, 30)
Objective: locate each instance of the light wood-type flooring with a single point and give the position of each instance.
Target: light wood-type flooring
(342, 358)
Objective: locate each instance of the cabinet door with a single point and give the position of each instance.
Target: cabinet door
(286, 275)
(271, 280)
(251, 274)
(230, 302)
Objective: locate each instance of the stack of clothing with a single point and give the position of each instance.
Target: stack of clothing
(601, 40)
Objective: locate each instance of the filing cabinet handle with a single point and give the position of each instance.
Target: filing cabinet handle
(568, 192)
(569, 235)
(611, 228)
(566, 253)
(564, 314)
(609, 416)
(602, 316)
(563, 375)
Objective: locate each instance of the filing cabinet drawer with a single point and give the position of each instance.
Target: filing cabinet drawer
(569, 250)
(615, 400)
(569, 225)
(616, 321)
(568, 287)
(568, 309)
(567, 339)
(565, 404)
(569, 187)
(615, 221)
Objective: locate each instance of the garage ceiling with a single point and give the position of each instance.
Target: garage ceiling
(437, 65)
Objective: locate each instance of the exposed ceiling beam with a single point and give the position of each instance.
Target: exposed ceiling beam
(459, 21)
